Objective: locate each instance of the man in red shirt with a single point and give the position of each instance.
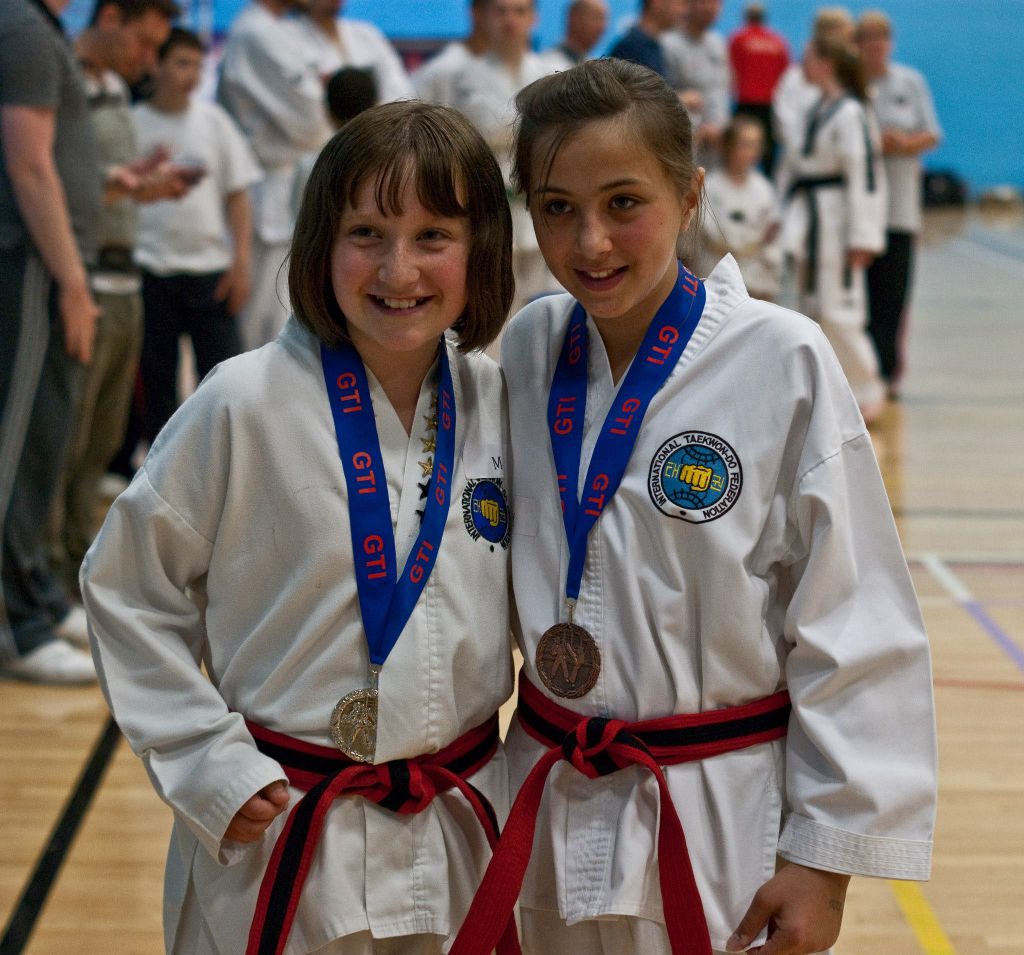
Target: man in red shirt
(758, 56)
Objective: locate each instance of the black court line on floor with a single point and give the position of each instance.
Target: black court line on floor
(26, 912)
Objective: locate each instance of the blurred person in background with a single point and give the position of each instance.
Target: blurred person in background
(906, 115)
(794, 94)
(758, 56)
(194, 254)
(742, 211)
(642, 42)
(585, 23)
(834, 213)
(485, 91)
(333, 41)
(697, 60)
(434, 81)
(118, 48)
(271, 89)
(50, 197)
(52, 187)
(349, 92)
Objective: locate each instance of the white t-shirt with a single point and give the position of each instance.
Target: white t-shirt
(903, 102)
(191, 234)
(737, 218)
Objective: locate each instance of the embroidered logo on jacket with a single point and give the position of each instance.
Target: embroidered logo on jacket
(695, 477)
(485, 512)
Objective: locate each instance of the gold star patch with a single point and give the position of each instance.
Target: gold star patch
(427, 466)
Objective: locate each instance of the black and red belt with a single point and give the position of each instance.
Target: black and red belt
(598, 747)
(402, 785)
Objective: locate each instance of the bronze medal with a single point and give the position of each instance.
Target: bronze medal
(568, 660)
(354, 724)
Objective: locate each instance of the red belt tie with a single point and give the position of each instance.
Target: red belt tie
(402, 785)
(597, 747)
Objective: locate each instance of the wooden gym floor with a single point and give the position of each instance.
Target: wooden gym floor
(952, 452)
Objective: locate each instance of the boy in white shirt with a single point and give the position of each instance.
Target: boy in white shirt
(195, 253)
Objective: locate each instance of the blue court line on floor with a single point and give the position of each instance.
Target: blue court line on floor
(22, 922)
(959, 591)
(1009, 646)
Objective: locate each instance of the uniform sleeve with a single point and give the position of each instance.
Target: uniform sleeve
(142, 584)
(865, 181)
(928, 119)
(271, 81)
(861, 751)
(29, 71)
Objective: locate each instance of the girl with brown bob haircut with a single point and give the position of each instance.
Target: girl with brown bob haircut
(341, 567)
(455, 175)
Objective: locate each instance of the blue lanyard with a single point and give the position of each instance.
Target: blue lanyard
(386, 599)
(665, 340)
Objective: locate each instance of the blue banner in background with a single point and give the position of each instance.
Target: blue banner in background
(970, 59)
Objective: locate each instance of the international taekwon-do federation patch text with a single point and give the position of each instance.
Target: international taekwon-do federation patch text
(485, 512)
(695, 476)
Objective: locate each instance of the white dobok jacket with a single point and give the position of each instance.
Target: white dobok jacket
(784, 571)
(231, 550)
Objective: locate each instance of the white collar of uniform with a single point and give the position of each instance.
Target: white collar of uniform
(725, 291)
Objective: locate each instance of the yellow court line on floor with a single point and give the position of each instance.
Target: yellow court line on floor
(918, 912)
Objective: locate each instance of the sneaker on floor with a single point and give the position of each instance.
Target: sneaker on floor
(56, 663)
(74, 628)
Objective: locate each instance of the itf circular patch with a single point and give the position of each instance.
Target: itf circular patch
(485, 512)
(695, 477)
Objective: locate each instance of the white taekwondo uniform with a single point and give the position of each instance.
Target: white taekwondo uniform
(485, 90)
(435, 80)
(362, 45)
(794, 96)
(268, 86)
(793, 578)
(232, 548)
(736, 219)
(843, 185)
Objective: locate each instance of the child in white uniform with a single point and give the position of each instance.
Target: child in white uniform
(744, 219)
(246, 547)
(833, 225)
(746, 563)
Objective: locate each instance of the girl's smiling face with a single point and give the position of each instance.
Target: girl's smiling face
(607, 220)
(399, 278)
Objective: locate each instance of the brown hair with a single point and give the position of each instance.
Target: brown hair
(732, 131)
(455, 174)
(832, 23)
(873, 21)
(559, 105)
(847, 64)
